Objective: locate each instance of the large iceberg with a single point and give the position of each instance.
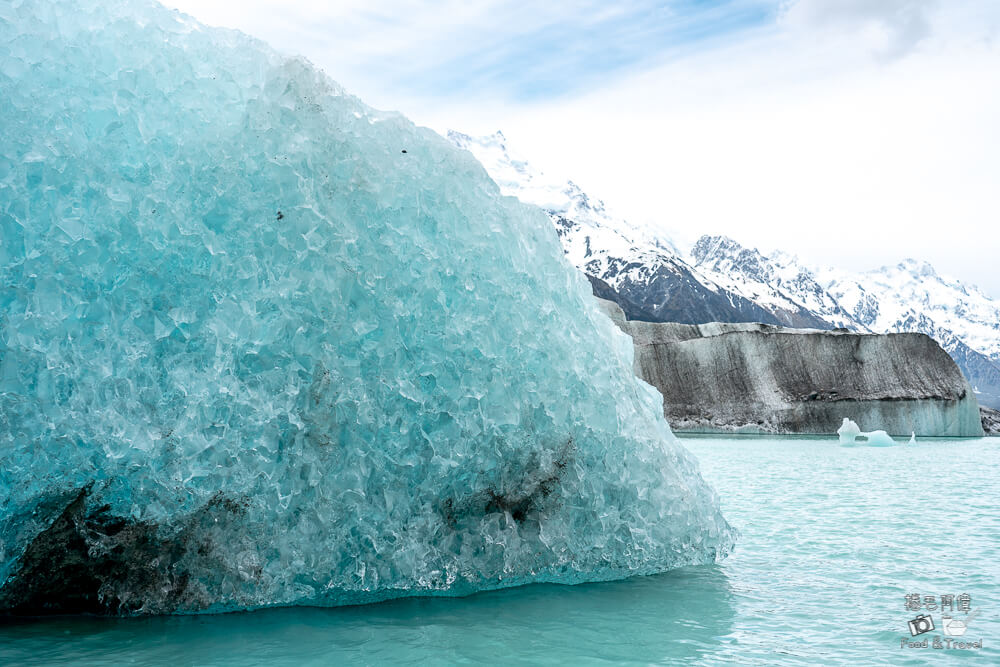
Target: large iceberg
(263, 345)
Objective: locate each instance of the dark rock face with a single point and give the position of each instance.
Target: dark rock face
(671, 293)
(983, 373)
(723, 255)
(633, 311)
(991, 420)
(762, 378)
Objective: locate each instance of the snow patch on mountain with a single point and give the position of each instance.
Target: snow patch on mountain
(559, 198)
(912, 294)
(642, 266)
(777, 283)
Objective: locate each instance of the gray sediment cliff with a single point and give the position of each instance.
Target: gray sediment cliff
(759, 378)
(991, 420)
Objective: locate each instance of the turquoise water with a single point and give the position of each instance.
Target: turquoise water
(833, 539)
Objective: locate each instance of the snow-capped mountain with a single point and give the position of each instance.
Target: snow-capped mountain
(909, 296)
(559, 198)
(724, 281)
(778, 284)
(895, 297)
(648, 272)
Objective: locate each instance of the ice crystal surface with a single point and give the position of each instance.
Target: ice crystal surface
(263, 345)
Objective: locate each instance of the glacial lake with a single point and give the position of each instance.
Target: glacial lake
(833, 541)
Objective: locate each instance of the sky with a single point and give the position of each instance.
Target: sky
(852, 133)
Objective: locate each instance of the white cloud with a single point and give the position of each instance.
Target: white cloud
(888, 28)
(393, 51)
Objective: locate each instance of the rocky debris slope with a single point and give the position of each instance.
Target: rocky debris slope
(753, 377)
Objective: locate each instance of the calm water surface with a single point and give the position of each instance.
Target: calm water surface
(833, 540)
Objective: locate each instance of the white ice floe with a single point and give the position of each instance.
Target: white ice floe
(851, 434)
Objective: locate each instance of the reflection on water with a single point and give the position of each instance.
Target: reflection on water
(680, 615)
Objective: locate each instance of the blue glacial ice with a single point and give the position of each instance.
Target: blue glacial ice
(263, 345)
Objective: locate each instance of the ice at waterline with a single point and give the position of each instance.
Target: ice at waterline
(263, 345)
(851, 434)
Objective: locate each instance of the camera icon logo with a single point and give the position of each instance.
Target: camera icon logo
(921, 624)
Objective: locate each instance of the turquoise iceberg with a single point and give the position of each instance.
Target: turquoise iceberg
(262, 345)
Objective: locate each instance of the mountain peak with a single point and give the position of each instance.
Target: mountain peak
(458, 137)
(723, 253)
(468, 142)
(558, 197)
(715, 247)
(918, 267)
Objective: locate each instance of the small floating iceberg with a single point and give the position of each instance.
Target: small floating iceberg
(851, 434)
